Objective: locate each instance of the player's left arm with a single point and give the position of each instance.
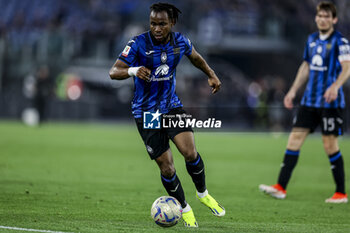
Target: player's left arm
(198, 61)
(331, 93)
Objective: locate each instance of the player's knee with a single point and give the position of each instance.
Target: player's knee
(168, 170)
(330, 148)
(295, 141)
(190, 154)
(293, 145)
(297, 137)
(330, 144)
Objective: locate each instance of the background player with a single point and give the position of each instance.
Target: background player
(151, 58)
(326, 66)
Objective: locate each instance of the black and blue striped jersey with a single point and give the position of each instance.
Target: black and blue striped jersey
(324, 58)
(162, 59)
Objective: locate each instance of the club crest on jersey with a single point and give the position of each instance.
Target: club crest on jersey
(163, 57)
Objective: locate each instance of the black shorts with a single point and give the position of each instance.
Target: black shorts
(157, 140)
(330, 120)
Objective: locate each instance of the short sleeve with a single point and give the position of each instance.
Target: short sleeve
(129, 54)
(344, 50)
(188, 45)
(306, 56)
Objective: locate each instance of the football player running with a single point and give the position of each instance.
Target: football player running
(151, 59)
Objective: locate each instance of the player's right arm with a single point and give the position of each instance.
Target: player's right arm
(301, 78)
(125, 65)
(121, 71)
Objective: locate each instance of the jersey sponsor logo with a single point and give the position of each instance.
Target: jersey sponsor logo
(162, 70)
(317, 60)
(126, 51)
(317, 63)
(319, 49)
(160, 73)
(149, 52)
(162, 78)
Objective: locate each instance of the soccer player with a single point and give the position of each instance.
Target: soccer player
(326, 66)
(151, 59)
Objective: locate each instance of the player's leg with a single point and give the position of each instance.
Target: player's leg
(184, 142)
(183, 138)
(295, 141)
(173, 186)
(169, 178)
(332, 127)
(157, 144)
(305, 122)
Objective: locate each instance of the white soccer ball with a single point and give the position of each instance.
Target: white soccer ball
(166, 211)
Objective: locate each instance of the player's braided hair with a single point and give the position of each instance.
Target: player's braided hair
(172, 11)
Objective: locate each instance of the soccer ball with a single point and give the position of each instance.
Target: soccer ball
(166, 211)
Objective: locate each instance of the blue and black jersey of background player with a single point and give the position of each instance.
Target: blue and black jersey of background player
(324, 58)
(162, 59)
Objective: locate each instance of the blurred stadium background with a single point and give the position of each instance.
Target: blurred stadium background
(55, 57)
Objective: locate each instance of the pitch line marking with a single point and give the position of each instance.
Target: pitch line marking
(28, 229)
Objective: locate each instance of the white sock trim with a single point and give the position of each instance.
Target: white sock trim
(201, 195)
(186, 209)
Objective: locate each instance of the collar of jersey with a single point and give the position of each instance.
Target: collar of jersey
(330, 36)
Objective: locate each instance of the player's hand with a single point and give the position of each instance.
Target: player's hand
(331, 93)
(288, 99)
(215, 84)
(144, 73)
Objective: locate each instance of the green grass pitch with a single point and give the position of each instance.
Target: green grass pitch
(98, 178)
